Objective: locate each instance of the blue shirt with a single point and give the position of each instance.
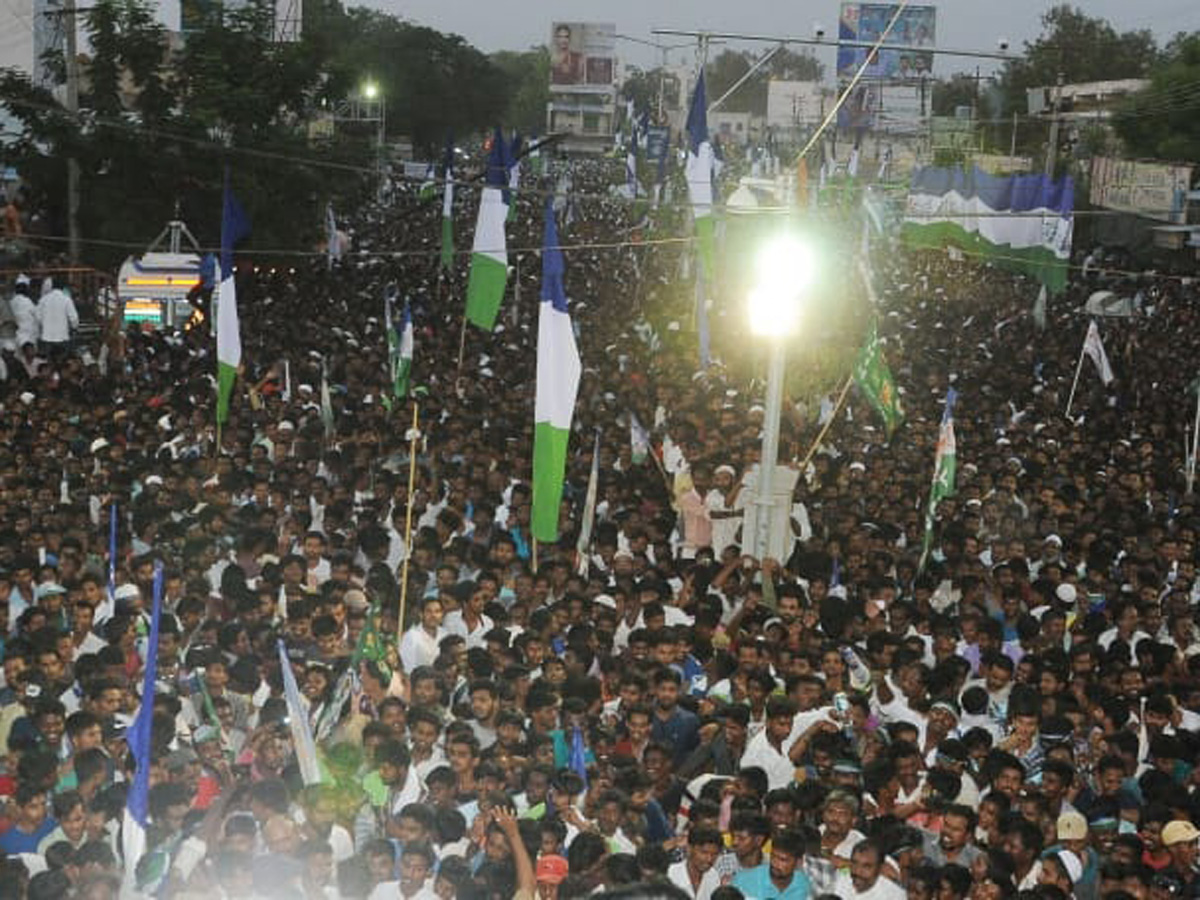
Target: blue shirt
(757, 883)
(16, 841)
(681, 731)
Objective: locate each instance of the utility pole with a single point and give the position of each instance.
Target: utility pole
(1052, 149)
(1013, 150)
(72, 98)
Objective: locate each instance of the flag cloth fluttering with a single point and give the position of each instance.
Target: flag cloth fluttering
(1039, 310)
(400, 344)
(234, 227)
(1024, 223)
(428, 189)
(700, 174)
(326, 405)
(489, 254)
(945, 464)
(874, 379)
(136, 818)
(1094, 348)
(302, 738)
(558, 371)
(639, 440)
(448, 206)
(333, 243)
(512, 158)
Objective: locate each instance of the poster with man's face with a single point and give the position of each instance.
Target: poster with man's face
(581, 55)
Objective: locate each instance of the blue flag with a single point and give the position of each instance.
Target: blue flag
(136, 818)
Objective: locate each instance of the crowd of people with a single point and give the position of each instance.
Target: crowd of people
(658, 713)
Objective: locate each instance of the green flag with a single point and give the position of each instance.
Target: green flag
(945, 464)
(875, 380)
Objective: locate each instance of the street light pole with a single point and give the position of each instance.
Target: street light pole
(770, 447)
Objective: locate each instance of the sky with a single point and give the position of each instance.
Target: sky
(965, 24)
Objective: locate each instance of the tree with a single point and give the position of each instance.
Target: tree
(1082, 48)
(157, 125)
(527, 86)
(949, 95)
(724, 71)
(1161, 122)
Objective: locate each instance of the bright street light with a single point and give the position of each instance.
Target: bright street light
(370, 90)
(785, 271)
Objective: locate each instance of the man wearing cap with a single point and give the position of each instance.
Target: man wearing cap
(551, 871)
(1179, 837)
(724, 510)
(1072, 832)
(24, 310)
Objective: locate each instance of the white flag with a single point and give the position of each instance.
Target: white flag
(1094, 347)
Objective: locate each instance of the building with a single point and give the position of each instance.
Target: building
(588, 120)
(737, 128)
(31, 29)
(1091, 101)
(584, 70)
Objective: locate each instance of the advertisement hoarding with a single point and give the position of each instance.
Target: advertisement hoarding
(582, 57)
(914, 34)
(1152, 190)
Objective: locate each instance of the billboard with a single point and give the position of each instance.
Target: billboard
(1152, 190)
(582, 57)
(914, 34)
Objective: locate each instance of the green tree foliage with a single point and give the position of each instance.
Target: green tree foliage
(527, 86)
(1163, 121)
(958, 90)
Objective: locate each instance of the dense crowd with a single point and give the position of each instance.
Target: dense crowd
(659, 715)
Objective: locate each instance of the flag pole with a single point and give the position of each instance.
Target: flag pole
(462, 342)
(1191, 469)
(1075, 383)
(828, 424)
(412, 481)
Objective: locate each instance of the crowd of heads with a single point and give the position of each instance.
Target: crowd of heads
(657, 712)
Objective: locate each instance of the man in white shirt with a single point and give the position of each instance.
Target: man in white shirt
(419, 646)
(24, 310)
(696, 875)
(469, 622)
(769, 749)
(865, 880)
(58, 319)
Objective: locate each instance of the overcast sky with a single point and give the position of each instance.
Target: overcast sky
(975, 24)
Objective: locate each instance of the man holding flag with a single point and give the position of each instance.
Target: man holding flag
(945, 464)
(558, 371)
